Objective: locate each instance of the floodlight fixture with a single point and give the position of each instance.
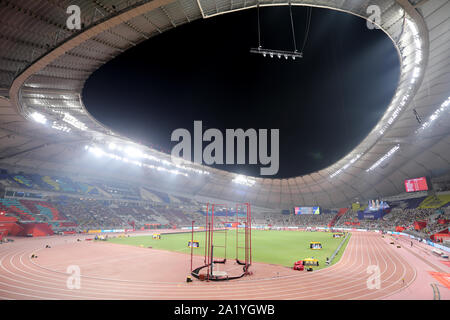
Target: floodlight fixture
(40, 118)
(133, 152)
(278, 53)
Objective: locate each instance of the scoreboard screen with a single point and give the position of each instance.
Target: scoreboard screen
(417, 184)
(307, 210)
(375, 205)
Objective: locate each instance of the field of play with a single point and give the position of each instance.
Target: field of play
(275, 247)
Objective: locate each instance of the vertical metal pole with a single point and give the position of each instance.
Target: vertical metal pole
(192, 243)
(246, 240)
(292, 27)
(237, 232)
(226, 232)
(209, 242)
(212, 229)
(246, 237)
(212, 260)
(206, 230)
(246, 246)
(249, 212)
(209, 249)
(259, 27)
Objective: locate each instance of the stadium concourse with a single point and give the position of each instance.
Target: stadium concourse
(65, 176)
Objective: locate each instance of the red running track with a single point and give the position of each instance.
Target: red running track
(111, 271)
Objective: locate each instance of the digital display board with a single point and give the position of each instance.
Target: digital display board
(375, 205)
(417, 184)
(307, 210)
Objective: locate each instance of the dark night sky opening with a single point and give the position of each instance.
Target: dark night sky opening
(324, 104)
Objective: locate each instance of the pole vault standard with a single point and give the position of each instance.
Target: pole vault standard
(242, 225)
(192, 243)
(247, 234)
(210, 237)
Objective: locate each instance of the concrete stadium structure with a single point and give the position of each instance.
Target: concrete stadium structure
(44, 65)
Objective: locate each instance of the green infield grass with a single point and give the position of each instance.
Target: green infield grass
(276, 247)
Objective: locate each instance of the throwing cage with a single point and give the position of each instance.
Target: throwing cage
(215, 223)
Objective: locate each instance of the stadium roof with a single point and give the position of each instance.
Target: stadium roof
(44, 124)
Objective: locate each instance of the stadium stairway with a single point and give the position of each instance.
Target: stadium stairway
(147, 195)
(43, 208)
(32, 210)
(336, 218)
(14, 207)
(184, 200)
(161, 195)
(103, 192)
